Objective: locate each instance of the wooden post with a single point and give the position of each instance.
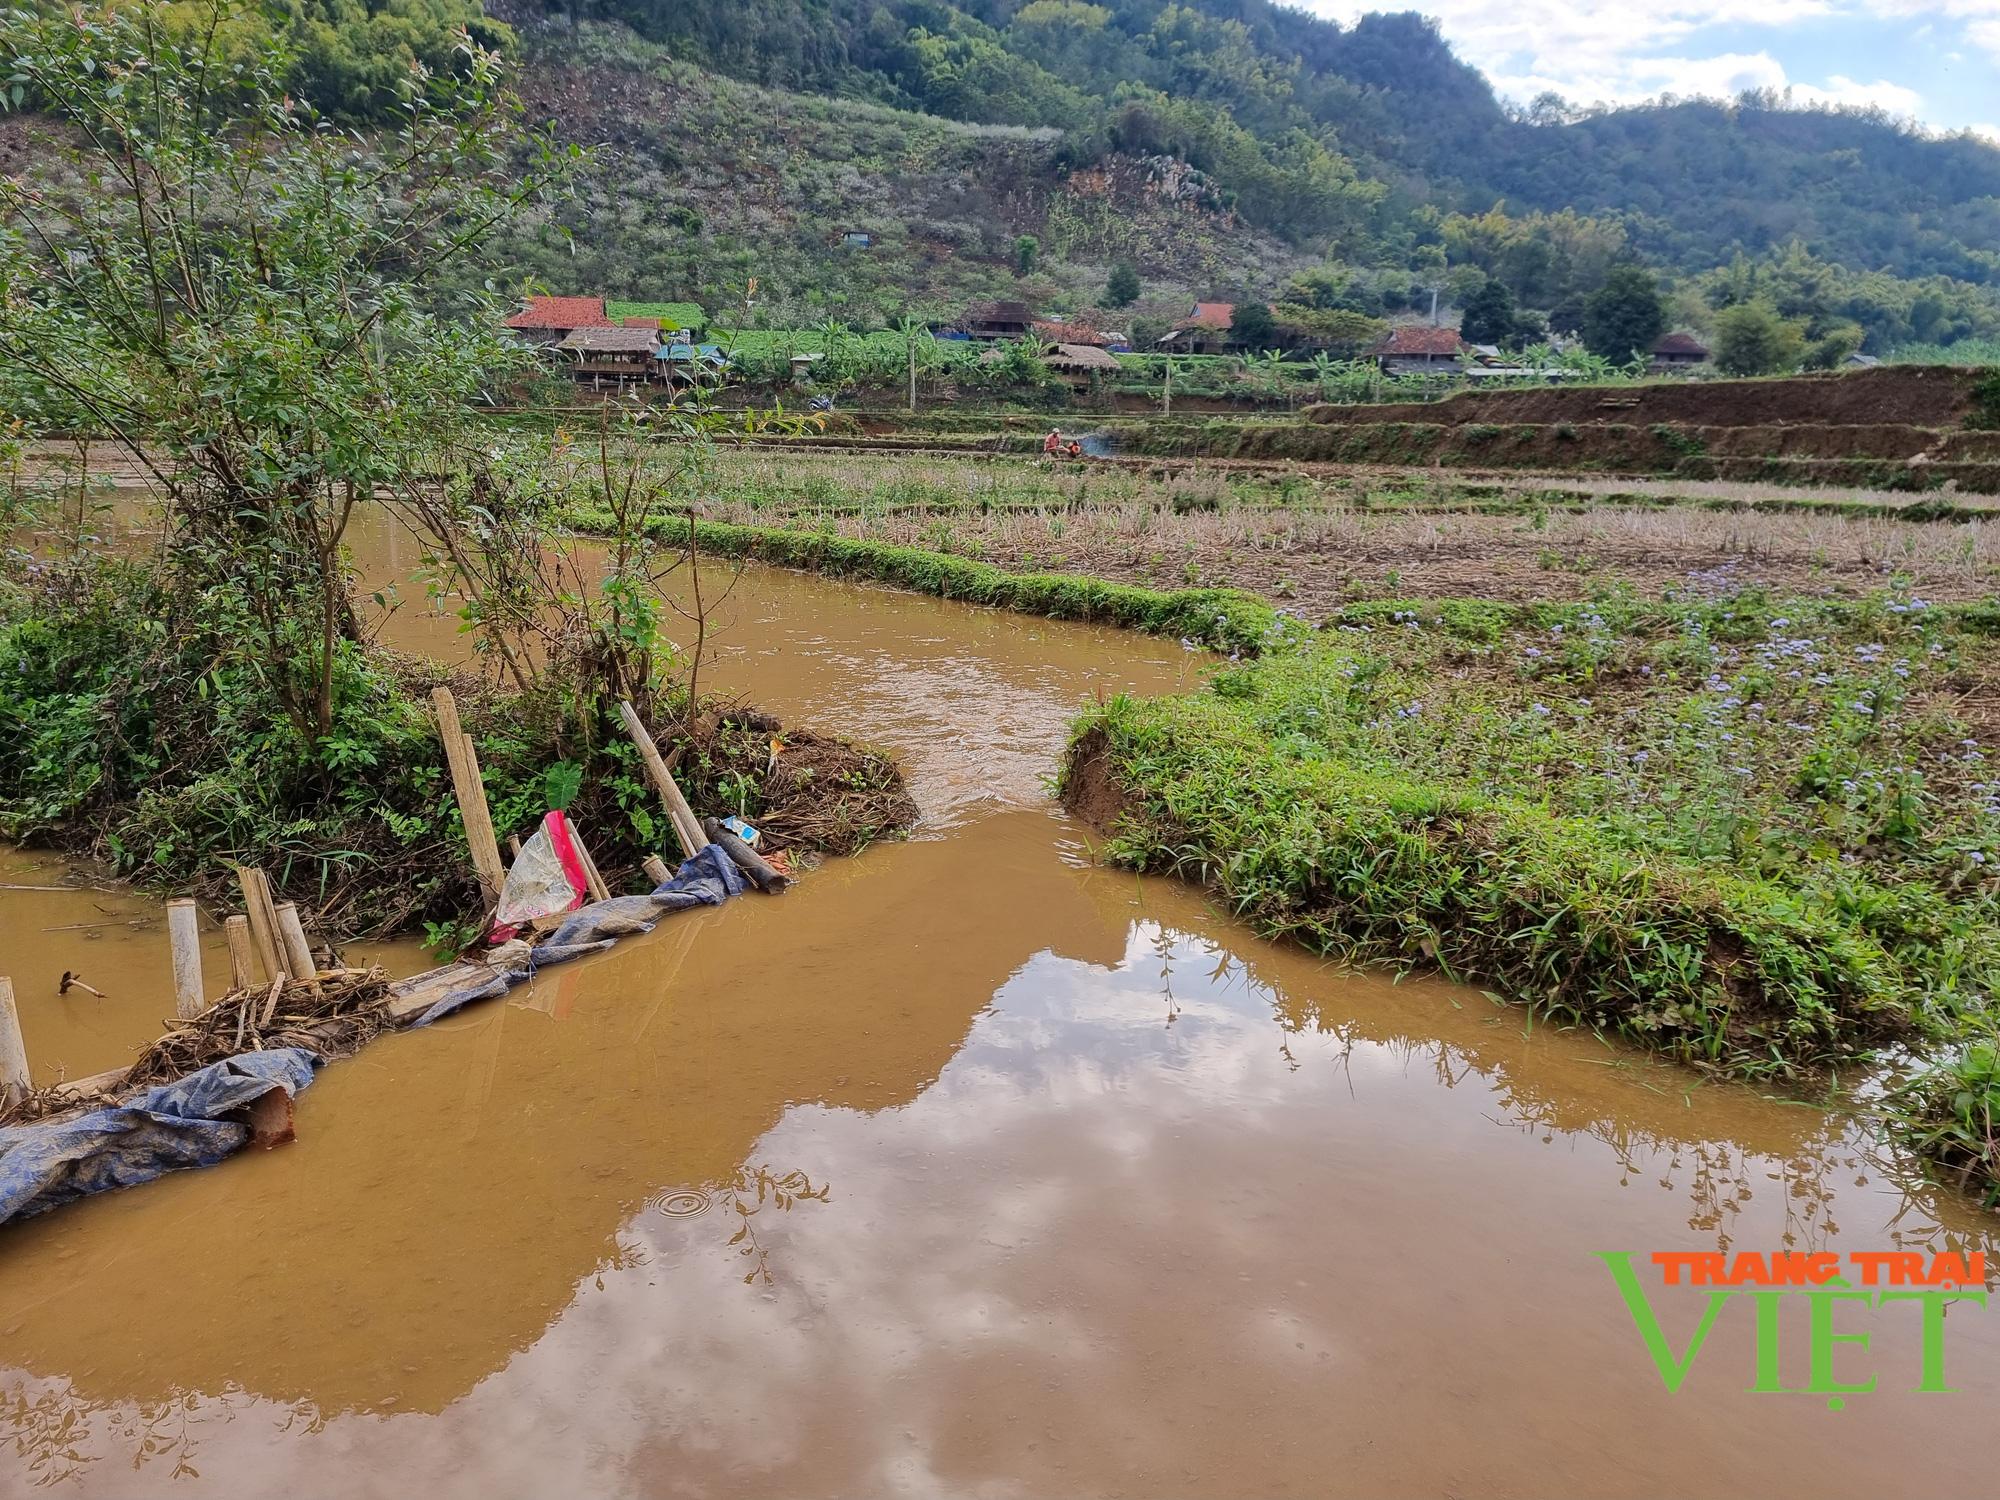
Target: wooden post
(184, 936)
(298, 953)
(471, 794)
(656, 870)
(14, 1085)
(599, 891)
(263, 918)
(686, 829)
(242, 955)
(513, 846)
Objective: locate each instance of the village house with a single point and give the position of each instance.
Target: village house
(620, 356)
(1080, 364)
(1419, 349)
(1678, 351)
(547, 321)
(997, 320)
(684, 364)
(1205, 329)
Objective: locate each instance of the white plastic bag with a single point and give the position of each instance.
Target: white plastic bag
(547, 879)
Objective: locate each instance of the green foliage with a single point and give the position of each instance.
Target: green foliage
(1338, 330)
(1625, 317)
(135, 726)
(1737, 861)
(132, 714)
(1972, 352)
(560, 784)
(1252, 326)
(1949, 1113)
(669, 315)
(1121, 288)
(355, 61)
(1830, 299)
(1830, 350)
(1986, 405)
(1301, 122)
(1027, 252)
(252, 322)
(1490, 317)
(1752, 339)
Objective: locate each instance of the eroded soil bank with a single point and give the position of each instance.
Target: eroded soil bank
(1089, 1193)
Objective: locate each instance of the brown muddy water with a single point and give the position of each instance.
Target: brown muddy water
(1090, 1193)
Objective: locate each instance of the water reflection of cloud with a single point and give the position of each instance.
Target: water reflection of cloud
(1105, 1247)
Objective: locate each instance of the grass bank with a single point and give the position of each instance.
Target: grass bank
(134, 730)
(1759, 835)
(1223, 618)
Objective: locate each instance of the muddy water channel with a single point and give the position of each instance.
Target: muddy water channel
(967, 1167)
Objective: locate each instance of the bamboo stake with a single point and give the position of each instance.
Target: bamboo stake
(263, 918)
(513, 846)
(184, 937)
(298, 953)
(471, 794)
(656, 870)
(686, 829)
(599, 891)
(496, 866)
(242, 953)
(14, 1085)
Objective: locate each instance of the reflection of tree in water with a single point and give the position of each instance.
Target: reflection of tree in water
(1718, 1175)
(55, 1432)
(1165, 941)
(755, 1191)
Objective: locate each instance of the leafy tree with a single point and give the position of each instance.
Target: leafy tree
(236, 294)
(1626, 316)
(1338, 329)
(1121, 288)
(1830, 350)
(1752, 339)
(1251, 326)
(1489, 315)
(1027, 254)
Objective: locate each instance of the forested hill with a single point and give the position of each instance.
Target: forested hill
(1316, 130)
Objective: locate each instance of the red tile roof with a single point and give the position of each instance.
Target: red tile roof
(1681, 343)
(561, 312)
(1216, 315)
(1418, 338)
(652, 323)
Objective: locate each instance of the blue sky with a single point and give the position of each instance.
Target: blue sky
(1936, 61)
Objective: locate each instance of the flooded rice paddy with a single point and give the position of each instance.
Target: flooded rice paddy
(967, 1167)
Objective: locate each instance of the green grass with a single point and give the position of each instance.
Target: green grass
(1740, 831)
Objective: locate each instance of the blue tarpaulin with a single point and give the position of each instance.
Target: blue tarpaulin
(707, 878)
(176, 1125)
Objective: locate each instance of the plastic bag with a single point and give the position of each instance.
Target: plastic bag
(547, 879)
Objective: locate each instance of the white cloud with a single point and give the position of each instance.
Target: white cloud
(1882, 94)
(1614, 52)
(1986, 129)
